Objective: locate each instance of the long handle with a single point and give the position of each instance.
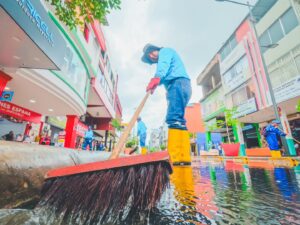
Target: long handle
(117, 150)
(291, 136)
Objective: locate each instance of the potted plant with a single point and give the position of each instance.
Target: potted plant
(163, 147)
(298, 106)
(130, 144)
(230, 149)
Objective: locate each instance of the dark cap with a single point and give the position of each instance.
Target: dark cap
(148, 49)
(276, 121)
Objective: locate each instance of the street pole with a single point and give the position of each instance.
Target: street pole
(275, 106)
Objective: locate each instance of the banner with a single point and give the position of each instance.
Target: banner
(287, 90)
(19, 112)
(246, 108)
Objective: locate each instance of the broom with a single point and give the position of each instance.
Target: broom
(109, 190)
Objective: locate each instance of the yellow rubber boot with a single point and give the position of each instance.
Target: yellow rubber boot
(275, 154)
(183, 181)
(179, 147)
(144, 150)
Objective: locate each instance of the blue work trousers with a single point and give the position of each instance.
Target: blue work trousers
(143, 139)
(178, 95)
(87, 142)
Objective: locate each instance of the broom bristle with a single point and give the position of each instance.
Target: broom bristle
(109, 194)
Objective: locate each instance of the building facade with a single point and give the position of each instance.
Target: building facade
(53, 79)
(243, 87)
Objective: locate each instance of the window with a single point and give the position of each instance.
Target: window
(236, 75)
(225, 51)
(228, 47)
(111, 76)
(276, 32)
(281, 27)
(276, 78)
(103, 53)
(239, 97)
(233, 42)
(297, 59)
(289, 20)
(265, 40)
(86, 33)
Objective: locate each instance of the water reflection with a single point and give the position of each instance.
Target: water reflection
(214, 192)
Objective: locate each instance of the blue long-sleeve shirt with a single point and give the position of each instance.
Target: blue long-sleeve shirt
(89, 134)
(169, 66)
(142, 129)
(271, 133)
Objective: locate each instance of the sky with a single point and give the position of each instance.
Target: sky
(196, 29)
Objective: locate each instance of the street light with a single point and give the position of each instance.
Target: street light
(269, 46)
(238, 3)
(252, 21)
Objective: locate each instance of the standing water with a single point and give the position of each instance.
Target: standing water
(210, 192)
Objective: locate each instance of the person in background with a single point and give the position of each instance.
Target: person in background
(296, 136)
(19, 137)
(142, 132)
(271, 133)
(88, 139)
(9, 136)
(100, 146)
(95, 145)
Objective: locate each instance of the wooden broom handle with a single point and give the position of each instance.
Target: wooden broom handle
(119, 147)
(295, 140)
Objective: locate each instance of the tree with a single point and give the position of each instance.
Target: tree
(298, 105)
(229, 121)
(131, 142)
(116, 124)
(77, 12)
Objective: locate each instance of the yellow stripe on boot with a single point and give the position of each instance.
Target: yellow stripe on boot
(275, 154)
(179, 147)
(144, 150)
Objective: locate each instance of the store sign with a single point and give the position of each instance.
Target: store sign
(32, 17)
(59, 122)
(81, 129)
(61, 139)
(7, 96)
(247, 127)
(19, 112)
(246, 108)
(287, 90)
(30, 10)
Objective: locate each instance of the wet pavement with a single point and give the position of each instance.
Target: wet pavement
(210, 192)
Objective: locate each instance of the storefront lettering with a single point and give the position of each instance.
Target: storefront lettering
(4, 105)
(19, 112)
(35, 18)
(80, 130)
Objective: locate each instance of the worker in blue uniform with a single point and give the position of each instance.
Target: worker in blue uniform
(88, 139)
(171, 73)
(272, 134)
(142, 133)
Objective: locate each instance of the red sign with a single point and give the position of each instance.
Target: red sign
(19, 112)
(81, 129)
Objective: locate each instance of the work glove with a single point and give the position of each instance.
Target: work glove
(154, 82)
